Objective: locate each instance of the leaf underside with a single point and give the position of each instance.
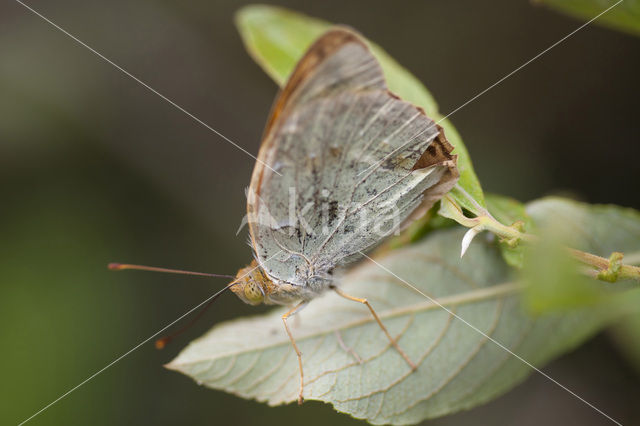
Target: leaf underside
(459, 367)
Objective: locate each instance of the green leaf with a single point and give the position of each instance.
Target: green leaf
(276, 39)
(554, 278)
(623, 17)
(458, 367)
(509, 211)
(468, 179)
(595, 228)
(626, 335)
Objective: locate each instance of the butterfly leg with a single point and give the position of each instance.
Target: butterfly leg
(286, 316)
(375, 316)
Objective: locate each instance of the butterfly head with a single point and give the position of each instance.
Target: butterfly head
(252, 284)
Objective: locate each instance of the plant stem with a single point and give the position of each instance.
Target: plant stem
(610, 270)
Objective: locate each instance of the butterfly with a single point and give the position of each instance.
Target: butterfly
(343, 164)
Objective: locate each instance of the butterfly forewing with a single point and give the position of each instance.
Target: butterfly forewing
(345, 151)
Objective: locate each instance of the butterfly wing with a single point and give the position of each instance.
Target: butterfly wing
(343, 163)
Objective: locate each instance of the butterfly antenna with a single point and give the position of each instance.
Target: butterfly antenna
(123, 266)
(161, 343)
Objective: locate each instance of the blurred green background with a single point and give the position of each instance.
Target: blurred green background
(95, 168)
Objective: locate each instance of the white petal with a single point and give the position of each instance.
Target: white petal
(468, 237)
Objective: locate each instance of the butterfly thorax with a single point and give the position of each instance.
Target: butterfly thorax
(255, 287)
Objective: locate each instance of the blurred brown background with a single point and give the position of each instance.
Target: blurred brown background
(95, 168)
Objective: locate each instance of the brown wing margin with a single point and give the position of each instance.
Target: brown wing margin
(438, 154)
(328, 43)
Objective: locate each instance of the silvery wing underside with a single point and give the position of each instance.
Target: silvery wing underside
(353, 162)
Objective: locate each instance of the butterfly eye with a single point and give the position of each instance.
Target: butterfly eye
(253, 293)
